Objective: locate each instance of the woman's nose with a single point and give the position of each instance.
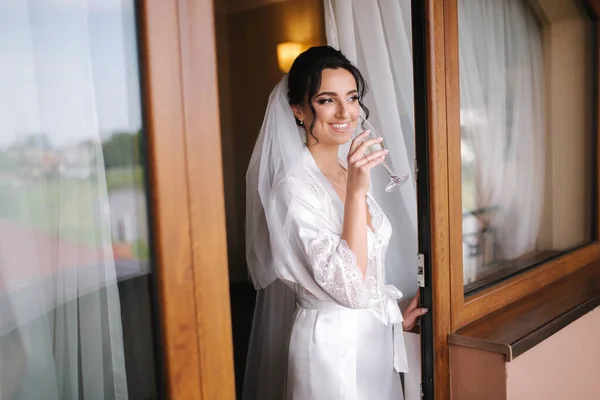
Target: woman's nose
(343, 111)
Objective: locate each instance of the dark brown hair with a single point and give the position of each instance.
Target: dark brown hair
(304, 78)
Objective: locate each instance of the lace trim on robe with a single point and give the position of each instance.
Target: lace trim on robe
(334, 263)
(336, 271)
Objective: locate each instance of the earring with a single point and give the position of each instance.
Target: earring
(301, 122)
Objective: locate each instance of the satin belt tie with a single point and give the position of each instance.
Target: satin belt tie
(391, 295)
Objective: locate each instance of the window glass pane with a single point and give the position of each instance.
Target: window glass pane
(75, 320)
(526, 99)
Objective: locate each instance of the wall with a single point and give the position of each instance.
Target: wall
(476, 374)
(248, 71)
(233, 6)
(564, 366)
(566, 48)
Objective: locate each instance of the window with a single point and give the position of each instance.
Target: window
(526, 131)
(513, 151)
(75, 270)
(553, 70)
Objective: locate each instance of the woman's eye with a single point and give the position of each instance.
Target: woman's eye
(325, 101)
(353, 99)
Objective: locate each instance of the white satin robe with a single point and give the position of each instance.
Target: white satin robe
(347, 340)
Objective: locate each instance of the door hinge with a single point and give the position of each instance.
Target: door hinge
(416, 169)
(421, 270)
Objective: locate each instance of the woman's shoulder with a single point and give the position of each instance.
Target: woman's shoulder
(301, 186)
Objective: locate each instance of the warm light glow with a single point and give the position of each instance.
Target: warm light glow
(287, 53)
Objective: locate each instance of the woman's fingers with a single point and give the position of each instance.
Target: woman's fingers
(360, 164)
(362, 141)
(376, 161)
(373, 159)
(362, 149)
(364, 158)
(414, 303)
(410, 318)
(365, 144)
(413, 312)
(357, 141)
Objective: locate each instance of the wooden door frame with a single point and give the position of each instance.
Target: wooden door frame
(451, 310)
(437, 168)
(181, 114)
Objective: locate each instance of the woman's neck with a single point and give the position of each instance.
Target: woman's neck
(326, 158)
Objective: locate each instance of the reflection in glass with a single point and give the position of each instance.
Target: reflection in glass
(525, 121)
(74, 255)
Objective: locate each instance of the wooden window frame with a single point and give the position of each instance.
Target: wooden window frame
(451, 309)
(468, 309)
(181, 119)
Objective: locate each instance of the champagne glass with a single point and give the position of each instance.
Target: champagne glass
(395, 180)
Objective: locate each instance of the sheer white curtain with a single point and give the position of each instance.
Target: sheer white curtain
(60, 319)
(502, 125)
(376, 36)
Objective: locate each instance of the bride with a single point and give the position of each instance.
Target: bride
(326, 325)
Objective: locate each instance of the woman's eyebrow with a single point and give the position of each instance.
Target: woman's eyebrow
(335, 94)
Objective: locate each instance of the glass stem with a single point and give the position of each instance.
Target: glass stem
(388, 169)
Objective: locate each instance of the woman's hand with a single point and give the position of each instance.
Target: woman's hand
(412, 313)
(360, 165)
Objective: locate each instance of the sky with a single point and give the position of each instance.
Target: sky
(68, 68)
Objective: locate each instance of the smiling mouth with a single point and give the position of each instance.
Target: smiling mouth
(341, 127)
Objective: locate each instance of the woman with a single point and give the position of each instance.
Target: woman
(326, 326)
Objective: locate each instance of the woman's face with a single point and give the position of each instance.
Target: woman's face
(336, 106)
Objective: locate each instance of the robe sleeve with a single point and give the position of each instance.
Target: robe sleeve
(314, 240)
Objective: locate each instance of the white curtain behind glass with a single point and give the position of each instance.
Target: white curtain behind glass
(376, 36)
(60, 319)
(502, 126)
